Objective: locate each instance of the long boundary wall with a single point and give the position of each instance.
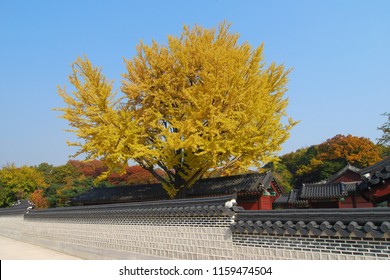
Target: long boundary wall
(211, 228)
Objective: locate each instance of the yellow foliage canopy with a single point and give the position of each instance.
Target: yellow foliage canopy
(202, 103)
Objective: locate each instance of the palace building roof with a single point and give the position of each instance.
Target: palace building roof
(376, 182)
(363, 222)
(327, 190)
(252, 183)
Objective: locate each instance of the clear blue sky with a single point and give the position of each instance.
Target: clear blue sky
(339, 52)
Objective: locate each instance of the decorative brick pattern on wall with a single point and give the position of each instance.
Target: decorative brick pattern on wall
(254, 246)
(166, 238)
(196, 229)
(12, 226)
(164, 241)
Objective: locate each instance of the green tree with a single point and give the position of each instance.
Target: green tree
(204, 102)
(5, 196)
(281, 174)
(19, 182)
(64, 174)
(67, 181)
(294, 160)
(47, 171)
(384, 140)
(318, 170)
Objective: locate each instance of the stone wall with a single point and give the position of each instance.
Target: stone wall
(315, 234)
(202, 229)
(182, 229)
(273, 247)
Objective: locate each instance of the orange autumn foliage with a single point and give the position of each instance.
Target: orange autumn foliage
(38, 199)
(358, 151)
(91, 168)
(133, 175)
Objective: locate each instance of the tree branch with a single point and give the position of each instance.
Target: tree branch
(167, 171)
(143, 163)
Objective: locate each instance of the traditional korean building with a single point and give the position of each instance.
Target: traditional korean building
(376, 183)
(121, 194)
(254, 191)
(349, 173)
(342, 190)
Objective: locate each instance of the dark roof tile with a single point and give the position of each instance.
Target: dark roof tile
(327, 190)
(17, 208)
(379, 166)
(246, 183)
(121, 194)
(295, 200)
(283, 199)
(375, 175)
(347, 168)
(214, 206)
(373, 222)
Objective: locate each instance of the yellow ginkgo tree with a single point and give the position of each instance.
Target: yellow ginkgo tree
(202, 103)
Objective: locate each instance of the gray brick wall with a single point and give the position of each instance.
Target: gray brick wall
(254, 246)
(177, 233)
(164, 238)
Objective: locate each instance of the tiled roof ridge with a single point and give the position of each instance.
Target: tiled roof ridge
(12, 211)
(373, 222)
(333, 190)
(255, 174)
(242, 184)
(295, 199)
(379, 176)
(376, 167)
(267, 178)
(17, 208)
(128, 185)
(321, 184)
(200, 180)
(330, 184)
(375, 176)
(361, 223)
(222, 205)
(348, 167)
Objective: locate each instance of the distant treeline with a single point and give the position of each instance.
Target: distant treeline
(53, 186)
